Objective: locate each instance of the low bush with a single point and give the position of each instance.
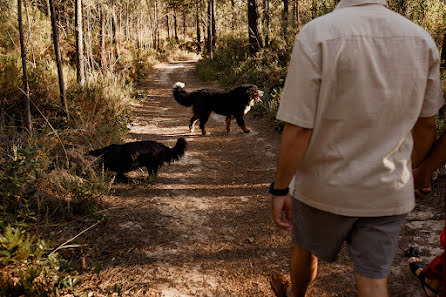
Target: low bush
(29, 268)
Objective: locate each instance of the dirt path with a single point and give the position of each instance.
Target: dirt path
(204, 228)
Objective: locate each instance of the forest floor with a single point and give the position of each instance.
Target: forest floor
(203, 227)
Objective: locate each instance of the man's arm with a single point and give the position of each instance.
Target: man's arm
(423, 134)
(294, 144)
(423, 173)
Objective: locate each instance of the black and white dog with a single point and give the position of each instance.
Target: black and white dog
(232, 103)
(123, 158)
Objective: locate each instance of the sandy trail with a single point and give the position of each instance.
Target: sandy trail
(204, 228)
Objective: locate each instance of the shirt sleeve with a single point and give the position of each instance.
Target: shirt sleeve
(433, 98)
(301, 91)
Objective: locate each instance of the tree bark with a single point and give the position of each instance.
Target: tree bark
(285, 19)
(255, 38)
(296, 12)
(102, 38)
(184, 23)
(198, 26)
(234, 16)
(79, 42)
(314, 9)
(28, 119)
(209, 42)
(62, 88)
(214, 32)
(266, 18)
(167, 26)
(48, 8)
(175, 24)
(115, 30)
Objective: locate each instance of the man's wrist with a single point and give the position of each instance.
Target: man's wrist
(278, 192)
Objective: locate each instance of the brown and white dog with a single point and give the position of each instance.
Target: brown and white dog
(232, 103)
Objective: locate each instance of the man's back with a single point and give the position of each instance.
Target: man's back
(369, 74)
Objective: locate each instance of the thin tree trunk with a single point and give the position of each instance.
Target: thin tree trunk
(30, 33)
(79, 43)
(285, 19)
(209, 31)
(314, 9)
(102, 38)
(255, 38)
(234, 16)
(175, 24)
(296, 12)
(157, 27)
(214, 32)
(62, 89)
(198, 26)
(28, 119)
(167, 26)
(184, 23)
(48, 8)
(127, 26)
(266, 17)
(115, 30)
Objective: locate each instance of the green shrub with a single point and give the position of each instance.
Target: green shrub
(28, 268)
(20, 168)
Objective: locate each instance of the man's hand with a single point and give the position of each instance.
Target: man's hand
(281, 211)
(422, 181)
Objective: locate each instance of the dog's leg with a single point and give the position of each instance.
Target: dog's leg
(241, 123)
(120, 177)
(193, 120)
(203, 120)
(228, 123)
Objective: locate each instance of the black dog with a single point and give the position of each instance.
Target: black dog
(232, 103)
(123, 158)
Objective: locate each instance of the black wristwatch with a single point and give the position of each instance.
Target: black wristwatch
(278, 192)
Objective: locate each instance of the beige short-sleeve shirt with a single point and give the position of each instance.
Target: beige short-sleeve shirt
(360, 77)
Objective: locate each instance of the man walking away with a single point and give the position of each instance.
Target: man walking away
(360, 80)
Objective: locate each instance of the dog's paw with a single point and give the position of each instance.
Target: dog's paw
(246, 130)
(207, 134)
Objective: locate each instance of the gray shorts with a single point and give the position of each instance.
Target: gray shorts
(372, 241)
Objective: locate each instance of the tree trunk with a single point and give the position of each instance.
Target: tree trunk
(266, 18)
(443, 51)
(79, 42)
(314, 9)
(296, 12)
(62, 89)
(167, 26)
(184, 23)
(255, 38)
(285, 19)
(115, 30)
(234, 16)
(175, 24)
(28, 119)
(48, 8)
(198, 26)
(102, 38)
(209, 46)
(214, 32)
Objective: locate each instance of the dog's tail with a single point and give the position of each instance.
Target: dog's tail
(180, 95)
(173, 154)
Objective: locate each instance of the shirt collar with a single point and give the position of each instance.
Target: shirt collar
(349, 3)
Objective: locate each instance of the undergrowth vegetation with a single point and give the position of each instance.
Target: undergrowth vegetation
(47, 176)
